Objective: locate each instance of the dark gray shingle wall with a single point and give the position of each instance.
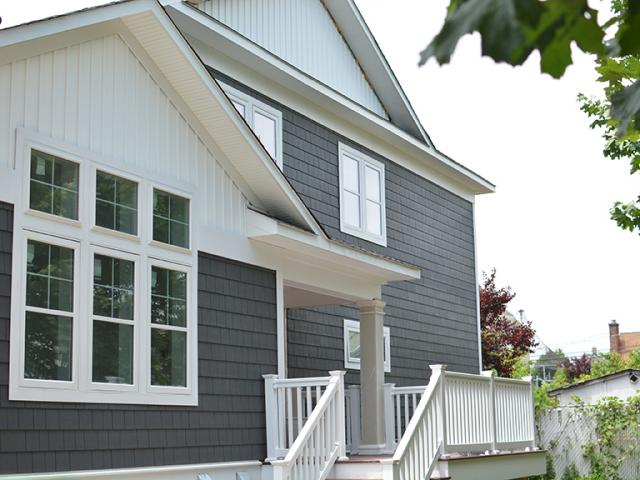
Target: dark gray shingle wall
(237, 344)
(433, 319)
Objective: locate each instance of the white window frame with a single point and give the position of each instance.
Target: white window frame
(353, 363)
(127, 176)
(363, 161)
(251, 105)
(136, 318)
(87, 238)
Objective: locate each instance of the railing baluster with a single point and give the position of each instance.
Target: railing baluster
(299, 408)
(289, 418)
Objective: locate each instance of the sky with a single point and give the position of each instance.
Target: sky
(547, 229)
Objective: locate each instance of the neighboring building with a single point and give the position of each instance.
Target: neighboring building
(207, 211)
(623, 384)
(622, 343)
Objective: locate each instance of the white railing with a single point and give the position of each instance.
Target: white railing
(421, 444)
(457, 412)
(288, 403)
(317, 428)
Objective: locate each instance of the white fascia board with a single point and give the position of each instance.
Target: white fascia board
(364, 46)
(324, 251)
(218, 36)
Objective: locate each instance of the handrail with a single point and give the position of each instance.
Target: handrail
(322, 439)
(419, 448)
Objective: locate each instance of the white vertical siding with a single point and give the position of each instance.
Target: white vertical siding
(302, 33)
(98, 96)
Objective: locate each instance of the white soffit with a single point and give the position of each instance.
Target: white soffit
(175, 59)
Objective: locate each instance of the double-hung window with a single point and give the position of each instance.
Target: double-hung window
(352, 345)
(362, 196)
(106, 306)
(264, 120)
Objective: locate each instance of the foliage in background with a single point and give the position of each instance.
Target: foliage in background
(617, 436)
(504, 341)
(548, 362)
(512, 29)
(577, 367)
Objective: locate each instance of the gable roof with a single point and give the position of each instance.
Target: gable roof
(334, 46)
(365, 48)
(265, 184)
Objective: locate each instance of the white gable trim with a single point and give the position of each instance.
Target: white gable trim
(363, 44)
(188, 77)
(218, 36)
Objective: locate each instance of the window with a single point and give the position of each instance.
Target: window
(113, 319)
(100, 319)
(53, 186)
(265, 121)
(362, 202)
(352, 345)
(49, 312)
(168, 327)
(170, 218)
(116, 203)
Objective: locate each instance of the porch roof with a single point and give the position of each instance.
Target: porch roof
(327, 252)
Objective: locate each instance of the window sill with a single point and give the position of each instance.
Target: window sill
(51, 394)
(53, 218)
(115, 233)
(171, 248)
(354, 232)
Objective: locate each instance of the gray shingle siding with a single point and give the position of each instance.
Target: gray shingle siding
(433, 319)
(236, 345)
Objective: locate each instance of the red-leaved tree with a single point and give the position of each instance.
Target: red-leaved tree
(504, 340)
(576, 367)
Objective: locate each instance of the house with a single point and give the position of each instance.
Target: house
(209, 212)
(622, 384)
(622, 343)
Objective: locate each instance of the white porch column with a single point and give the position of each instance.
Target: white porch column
(372, 376)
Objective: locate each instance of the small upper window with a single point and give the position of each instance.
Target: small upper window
(53, 185)
(170, 218)
(352, 345)
(116, 203)
(265, 121)
(362, 203)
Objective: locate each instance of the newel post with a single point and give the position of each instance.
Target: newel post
(492, 410)
(271, 411)
(441, 371)
(340, 420)
(532, 425)
(389, 418)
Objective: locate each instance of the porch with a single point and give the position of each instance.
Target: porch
(458, 426)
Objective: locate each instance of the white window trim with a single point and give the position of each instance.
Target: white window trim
(252, 104)
(363, 160)
(85, 237)
(354, 363)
